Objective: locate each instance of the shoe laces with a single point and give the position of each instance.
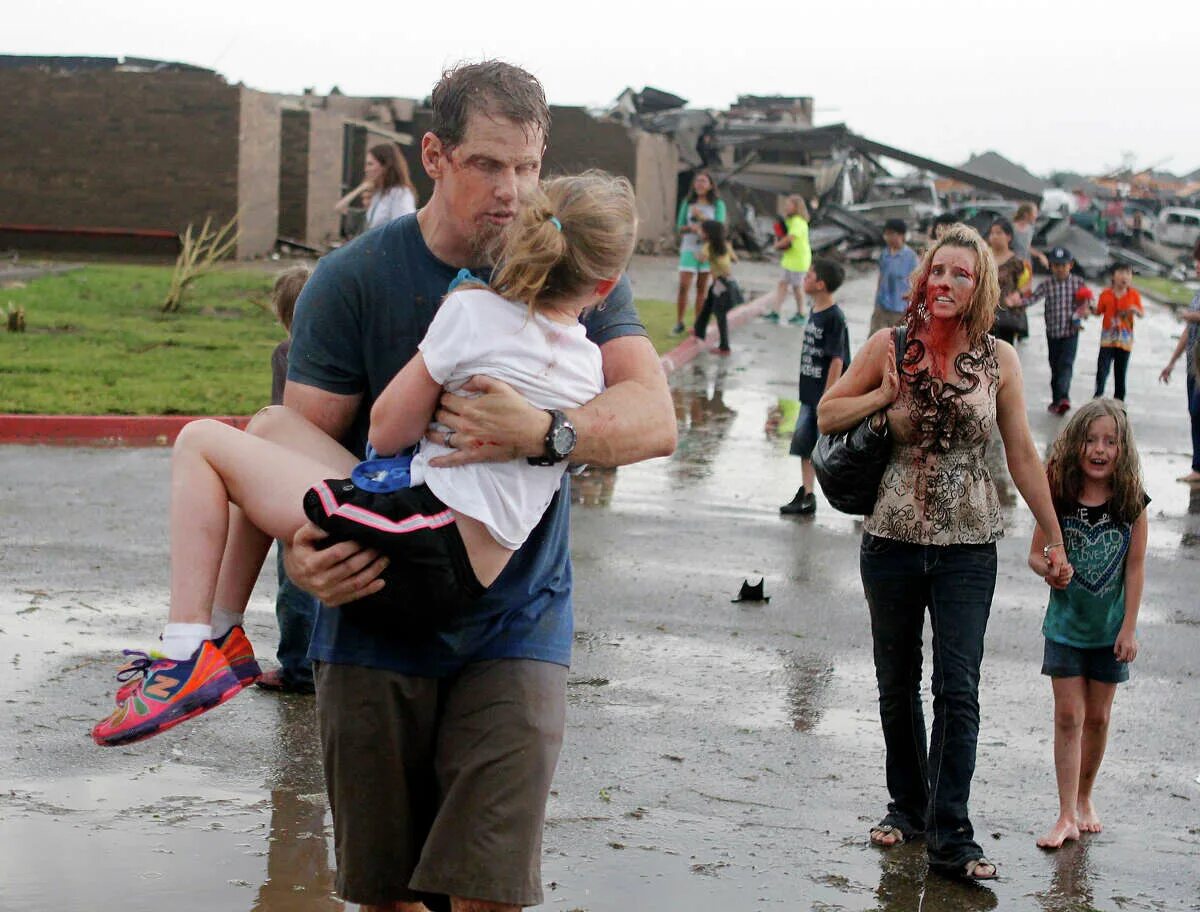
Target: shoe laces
(139, 664)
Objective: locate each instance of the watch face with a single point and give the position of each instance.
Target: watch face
(563, 440)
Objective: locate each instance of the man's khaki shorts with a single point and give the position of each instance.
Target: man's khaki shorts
(438, 786)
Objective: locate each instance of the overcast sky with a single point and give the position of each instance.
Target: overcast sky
(1051, 84)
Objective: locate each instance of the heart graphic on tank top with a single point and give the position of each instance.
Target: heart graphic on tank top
(1098, 552)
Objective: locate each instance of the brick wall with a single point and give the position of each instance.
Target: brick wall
(117, 149)
(324, 176)
(293, 175)
(258, 172)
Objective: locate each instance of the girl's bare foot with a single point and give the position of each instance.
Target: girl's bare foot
(1086, 816)
(1063, 830)
(1190, 478)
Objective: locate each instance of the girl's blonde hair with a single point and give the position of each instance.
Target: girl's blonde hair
(981, 309)
(571, 233)
(1066, 476)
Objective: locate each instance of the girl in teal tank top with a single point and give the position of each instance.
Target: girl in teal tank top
(1091, 618)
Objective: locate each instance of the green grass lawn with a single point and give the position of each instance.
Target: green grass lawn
(1165, 290)
(96, 343)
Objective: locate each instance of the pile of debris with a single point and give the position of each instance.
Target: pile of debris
(765, 147)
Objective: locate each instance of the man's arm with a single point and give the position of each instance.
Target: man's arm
(633, 419)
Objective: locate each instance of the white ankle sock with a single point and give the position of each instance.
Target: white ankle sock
(180, 641)
(224, 620)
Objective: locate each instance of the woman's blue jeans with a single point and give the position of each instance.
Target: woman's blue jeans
(930, 784)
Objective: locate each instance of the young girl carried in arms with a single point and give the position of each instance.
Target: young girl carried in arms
(449, 535)
(1091, 620)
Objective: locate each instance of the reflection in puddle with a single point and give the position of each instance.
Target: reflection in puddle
(593, 486)
(299, 868)
(703, 420)
(904, 886)
(808, 680)
(1191, 528)
(1070, 883)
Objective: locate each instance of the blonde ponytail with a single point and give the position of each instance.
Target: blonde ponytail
(571, 233)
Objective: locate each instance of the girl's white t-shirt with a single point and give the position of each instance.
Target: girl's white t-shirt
(552, 365)
(389, 205)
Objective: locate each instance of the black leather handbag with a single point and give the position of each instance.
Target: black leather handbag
(849, 464)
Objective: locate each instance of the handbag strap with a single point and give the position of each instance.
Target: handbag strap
(900, 335)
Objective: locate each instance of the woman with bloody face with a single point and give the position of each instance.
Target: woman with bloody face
(930, 542)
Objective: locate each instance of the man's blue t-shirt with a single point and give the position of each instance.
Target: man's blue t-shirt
(894, 270)
(357, 322)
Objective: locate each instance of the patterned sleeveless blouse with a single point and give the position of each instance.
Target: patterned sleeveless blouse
(936, 489)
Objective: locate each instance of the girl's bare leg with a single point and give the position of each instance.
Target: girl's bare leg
(681, 299)
(212, 466)
(246, 546)
(1068, 724)
(1098, 699)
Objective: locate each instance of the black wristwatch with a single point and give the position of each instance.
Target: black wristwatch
(560, 440)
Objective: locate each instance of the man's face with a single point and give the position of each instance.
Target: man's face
(483, 179)
(812, 283)
(1060, 270)
(893, 239)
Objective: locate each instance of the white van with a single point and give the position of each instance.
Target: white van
(1178, 227)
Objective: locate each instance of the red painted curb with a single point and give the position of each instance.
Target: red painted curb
(690, 347)
(99, 430)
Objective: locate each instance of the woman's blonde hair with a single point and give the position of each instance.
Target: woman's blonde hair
(571, 233)
(1066, 476)
(981, 309)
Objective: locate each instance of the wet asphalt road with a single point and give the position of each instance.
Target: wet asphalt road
(718, 755)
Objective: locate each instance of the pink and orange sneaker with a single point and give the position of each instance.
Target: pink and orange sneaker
(234, 645)
(170, 692)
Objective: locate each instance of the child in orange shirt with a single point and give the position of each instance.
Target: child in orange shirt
(1119, 305)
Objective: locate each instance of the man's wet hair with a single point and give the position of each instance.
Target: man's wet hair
(490, 87)
(829, 272)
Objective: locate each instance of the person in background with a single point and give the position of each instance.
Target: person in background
(896, 264)
(1024, 225)
(1188, 341)
(703, 204)
(825, 354)
(295, 609)
(940, 224)
(1068, 300)
(386, 184)
(796, 259)
(1011, 322)
(718, 253)
(1119, 305)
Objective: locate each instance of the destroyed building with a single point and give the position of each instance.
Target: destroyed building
(121, 155)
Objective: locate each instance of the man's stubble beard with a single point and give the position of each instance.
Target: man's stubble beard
(485, 242)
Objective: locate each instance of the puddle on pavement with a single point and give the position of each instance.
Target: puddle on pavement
(174, 825)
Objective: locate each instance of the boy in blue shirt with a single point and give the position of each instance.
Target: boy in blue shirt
(896, 264)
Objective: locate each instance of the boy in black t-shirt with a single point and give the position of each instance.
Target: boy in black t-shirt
(825, 355)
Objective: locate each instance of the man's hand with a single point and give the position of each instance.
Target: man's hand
(336, 575)
(494, 426)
